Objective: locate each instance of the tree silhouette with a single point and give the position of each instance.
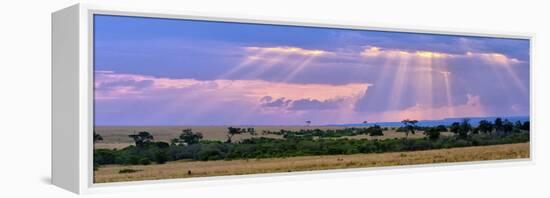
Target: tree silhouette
(232, 131)
(433, 133)
(187, 136)
(499, 126)
(517, 126)
(142, 138)
(455, 127)
(441, 128)
(507, 126)
(97, 137)
(410, 126)
(375, 131)
(464, 128)
(251, 130)
(485, 126)
(308, 122)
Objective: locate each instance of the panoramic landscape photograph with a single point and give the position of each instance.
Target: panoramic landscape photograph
(177, 98)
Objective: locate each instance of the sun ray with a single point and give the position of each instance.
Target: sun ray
(517, 82)
(399, 82)
(446, 78)
(423, 81)
(261, 62)
(260, 69)
(301, 66)
(248, 61)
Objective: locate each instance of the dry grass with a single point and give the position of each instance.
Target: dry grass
(117, 136)
(111, 145)
(179, 169)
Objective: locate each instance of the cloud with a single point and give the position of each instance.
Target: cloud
(491, 58)
(514, 48)
(280, 102)
(130, 83)
(121, 97)
(399, 83)
(472, 108)
(307, 103)
(313, 104)
(110, 85)
(373, 51)
(449, 44)
(218, 73)
(431, 80)
(249, 88)
(288, 50)
(356, 65)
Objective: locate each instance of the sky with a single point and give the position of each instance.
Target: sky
(153, 71)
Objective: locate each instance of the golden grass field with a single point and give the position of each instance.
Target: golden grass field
(117, 136)
(179, 169)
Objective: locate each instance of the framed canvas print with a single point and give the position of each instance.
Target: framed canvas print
(154, 96)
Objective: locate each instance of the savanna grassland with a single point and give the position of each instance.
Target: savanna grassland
(117, 136)
(187, 168)
(145, 153)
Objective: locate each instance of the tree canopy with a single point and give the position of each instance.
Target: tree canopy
(142, 137)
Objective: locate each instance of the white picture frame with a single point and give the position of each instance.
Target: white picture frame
(72, 102)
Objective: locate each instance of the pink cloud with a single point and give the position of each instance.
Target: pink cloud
(235, 100)
(472, 108)
(248, 88)
(113, 86)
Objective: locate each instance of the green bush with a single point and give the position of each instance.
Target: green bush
(298, 145)
(161, 157)
(134, 159)
(433, 133)
(144, 161)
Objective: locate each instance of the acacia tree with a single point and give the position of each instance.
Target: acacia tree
(142, 138)
(232, 131)
(410, 126)
(97, 137)
(507, 126)
(499, 126)
(375, 131)
(455, 127)
(252, 131)
(188, 137)
(464, 128)
(485, 126)
(517, 126)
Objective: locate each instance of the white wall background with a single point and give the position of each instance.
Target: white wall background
(25, 98)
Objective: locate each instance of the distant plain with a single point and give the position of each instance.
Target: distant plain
(117, 136)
